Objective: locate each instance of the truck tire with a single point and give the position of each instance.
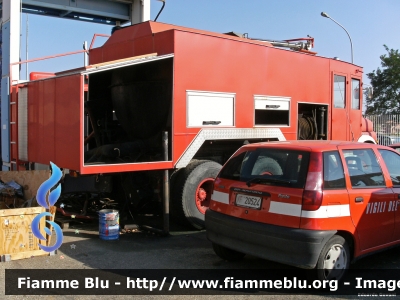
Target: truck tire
(267, 165)
(226, 253)
(334, 260)
(191, 192)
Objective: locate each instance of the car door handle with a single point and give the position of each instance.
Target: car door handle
(359, 199)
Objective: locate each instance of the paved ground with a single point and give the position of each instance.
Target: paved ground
(82, 249)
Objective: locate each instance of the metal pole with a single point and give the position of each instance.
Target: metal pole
(165, 231)
(166, 185)
(351, 43)
(27, 31)
(85, 54)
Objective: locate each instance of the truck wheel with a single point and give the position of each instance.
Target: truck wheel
(334, 259)
(267, 166)
(226, 253)
(191, 192)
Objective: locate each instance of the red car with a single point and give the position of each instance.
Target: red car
(311, 204)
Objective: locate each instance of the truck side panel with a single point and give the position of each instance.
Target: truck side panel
(207, 63)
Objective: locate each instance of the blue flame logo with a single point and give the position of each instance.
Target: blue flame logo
(44, 188)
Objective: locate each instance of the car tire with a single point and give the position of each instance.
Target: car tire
(226, 253)
(191, 192)
(334, 260)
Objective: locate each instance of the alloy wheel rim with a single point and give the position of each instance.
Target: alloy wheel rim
(335, 262)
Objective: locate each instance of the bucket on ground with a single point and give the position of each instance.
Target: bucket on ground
(109, 224)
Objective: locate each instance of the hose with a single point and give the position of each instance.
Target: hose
(307, 128)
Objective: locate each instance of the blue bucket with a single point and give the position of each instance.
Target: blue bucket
(109, 224)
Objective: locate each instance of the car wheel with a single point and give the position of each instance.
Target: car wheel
(226, 253)
(334, 259)
(191, 192)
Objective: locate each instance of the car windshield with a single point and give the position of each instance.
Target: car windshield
(269, 166)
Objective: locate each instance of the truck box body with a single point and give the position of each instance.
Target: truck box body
(198, 86)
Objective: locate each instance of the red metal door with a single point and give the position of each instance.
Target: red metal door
(354, 107)
(340, 117)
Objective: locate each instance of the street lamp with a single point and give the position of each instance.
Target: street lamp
(163, 4)
(324, 14)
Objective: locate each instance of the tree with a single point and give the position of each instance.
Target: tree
(386, 84)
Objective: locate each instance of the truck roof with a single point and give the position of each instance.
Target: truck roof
(142, 31)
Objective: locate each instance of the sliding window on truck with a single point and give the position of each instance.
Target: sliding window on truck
(127, 109)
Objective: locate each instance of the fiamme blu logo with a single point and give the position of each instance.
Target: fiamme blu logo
(53, 186)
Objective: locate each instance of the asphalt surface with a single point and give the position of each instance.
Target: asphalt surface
(183, 249)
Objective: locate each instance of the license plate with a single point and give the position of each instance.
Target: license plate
(248, 201)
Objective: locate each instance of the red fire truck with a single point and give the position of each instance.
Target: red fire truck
(158, 97)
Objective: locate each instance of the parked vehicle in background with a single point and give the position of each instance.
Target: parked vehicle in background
(395, 146)
(387, 140)
(384, 139)
(311, 204)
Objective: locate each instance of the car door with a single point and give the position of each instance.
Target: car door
(392, 162)
(370, 198)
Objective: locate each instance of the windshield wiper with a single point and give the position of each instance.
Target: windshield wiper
(263, 179)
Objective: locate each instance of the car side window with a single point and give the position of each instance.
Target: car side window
(333, 171)
(363, 168)
(392, 161)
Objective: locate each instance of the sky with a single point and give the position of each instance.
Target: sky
(370, 23)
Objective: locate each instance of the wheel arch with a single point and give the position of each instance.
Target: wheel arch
(206, 142)
(350, 239)
(366, 139)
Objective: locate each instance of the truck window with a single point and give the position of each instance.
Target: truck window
(339, 91)
(392, 161)
(210, 109)
(363, 168)
(355, 93)
(333, 171)
(271, 110)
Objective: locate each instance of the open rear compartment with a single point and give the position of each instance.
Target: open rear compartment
(127, 113)
(127, 130)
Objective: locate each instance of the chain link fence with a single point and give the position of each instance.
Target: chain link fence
(387, 128)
